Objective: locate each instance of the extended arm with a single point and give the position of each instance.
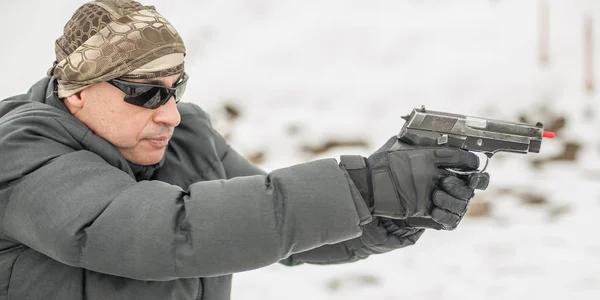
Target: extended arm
(74, 207)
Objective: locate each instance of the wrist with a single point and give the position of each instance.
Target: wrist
(398, 228)
(358, 170)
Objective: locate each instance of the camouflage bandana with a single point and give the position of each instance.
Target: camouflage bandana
(108, 39)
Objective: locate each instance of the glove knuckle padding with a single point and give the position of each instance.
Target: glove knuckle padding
(445, 201)
(422, 175)
(457, 188)
(456, 158)
(445, 218)
(385, 195)
(420, 222)
(404, 188)
(479, 181)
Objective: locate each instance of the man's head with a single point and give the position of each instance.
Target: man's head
(109, 46)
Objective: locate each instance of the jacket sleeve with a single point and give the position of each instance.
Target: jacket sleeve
(74, 207)
(378, 236)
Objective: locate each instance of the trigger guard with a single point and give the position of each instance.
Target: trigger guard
(460, 172)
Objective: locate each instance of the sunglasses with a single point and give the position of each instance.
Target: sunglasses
(148, 95)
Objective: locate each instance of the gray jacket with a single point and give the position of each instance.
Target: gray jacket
(78, 221)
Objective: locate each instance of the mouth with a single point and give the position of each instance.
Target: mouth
(159, 141)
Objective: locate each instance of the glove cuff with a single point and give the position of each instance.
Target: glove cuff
(399, 228)
(358, 169)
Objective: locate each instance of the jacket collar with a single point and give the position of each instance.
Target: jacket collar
(140, 172)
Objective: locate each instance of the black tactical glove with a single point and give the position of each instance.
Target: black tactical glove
(412, 184)
(378, 236)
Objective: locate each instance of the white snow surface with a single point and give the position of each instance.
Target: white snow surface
(306, 72)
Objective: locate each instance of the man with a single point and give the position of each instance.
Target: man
(111, 190)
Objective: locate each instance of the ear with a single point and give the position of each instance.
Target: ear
(74, 102)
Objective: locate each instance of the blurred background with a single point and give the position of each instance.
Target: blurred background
(290, 81)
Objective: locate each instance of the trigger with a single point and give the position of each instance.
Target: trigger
(488, 157)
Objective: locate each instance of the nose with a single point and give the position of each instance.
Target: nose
(167, 114)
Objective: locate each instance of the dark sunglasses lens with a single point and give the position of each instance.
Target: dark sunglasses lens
(180, 90)
(148, 97)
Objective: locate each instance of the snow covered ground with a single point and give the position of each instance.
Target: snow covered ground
(299, 74)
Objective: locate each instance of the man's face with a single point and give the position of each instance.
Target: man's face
(140, 134)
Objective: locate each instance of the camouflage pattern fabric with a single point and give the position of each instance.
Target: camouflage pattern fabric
(107, 39)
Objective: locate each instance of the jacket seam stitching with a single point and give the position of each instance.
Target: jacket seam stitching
(11, 272)
(84, 230)
(227, 149)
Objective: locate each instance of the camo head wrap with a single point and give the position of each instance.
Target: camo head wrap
(107, 39)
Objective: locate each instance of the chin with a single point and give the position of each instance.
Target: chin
(147, 159)
(151, 161)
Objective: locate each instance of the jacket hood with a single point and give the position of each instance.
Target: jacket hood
(45, 91)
